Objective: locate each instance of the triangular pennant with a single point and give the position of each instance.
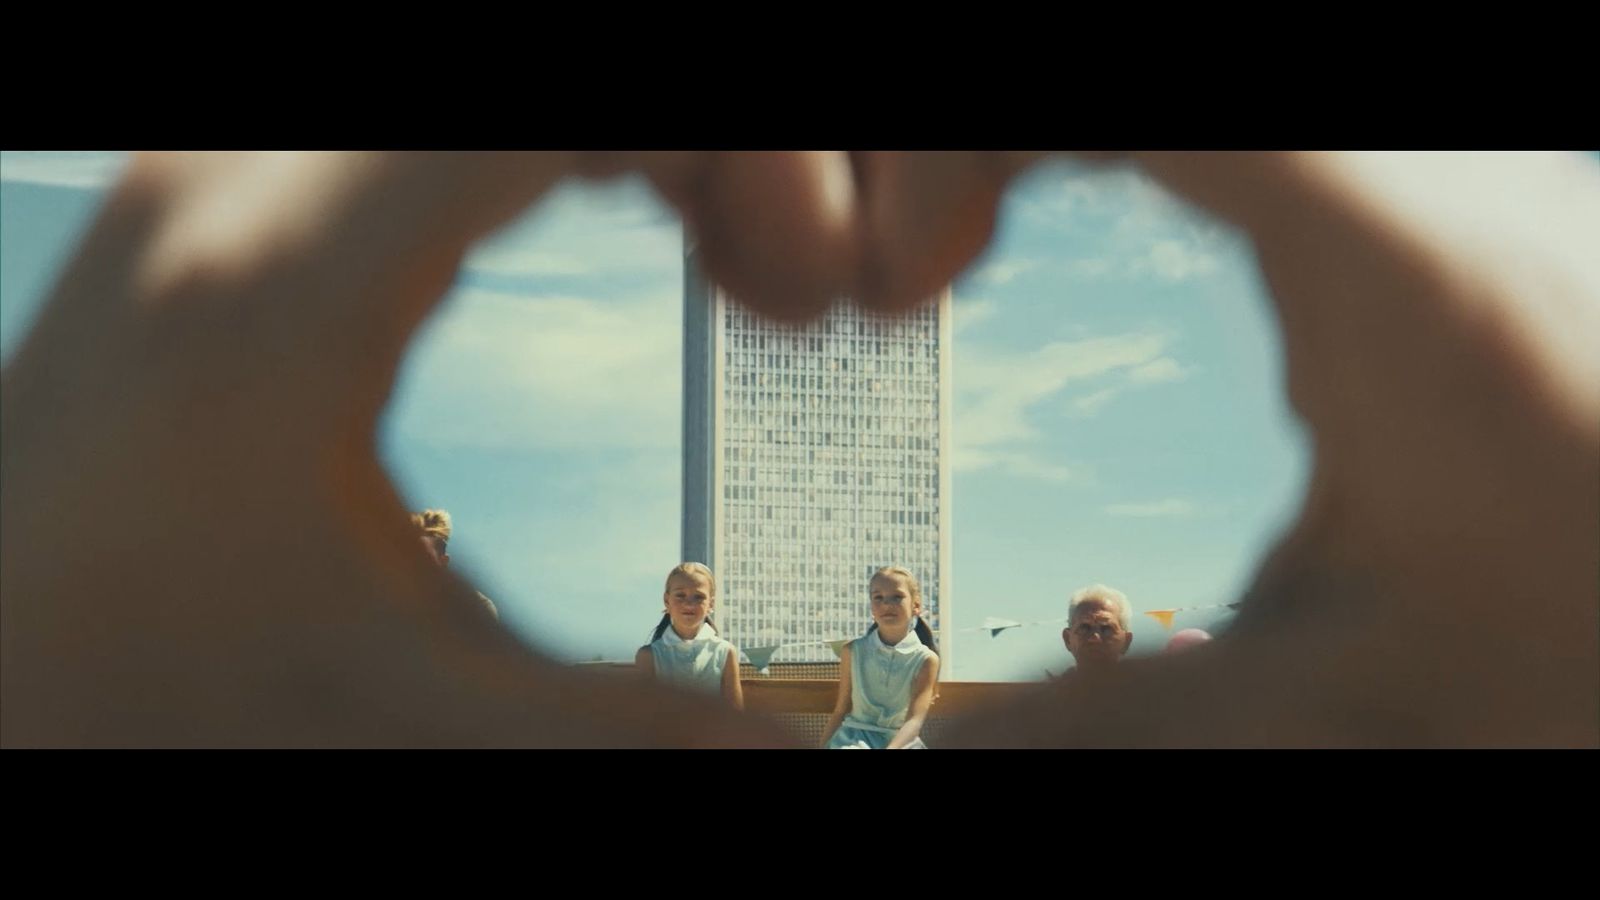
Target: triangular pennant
(838, 648)
(760, 657)
(994, 626)
(1164, 616)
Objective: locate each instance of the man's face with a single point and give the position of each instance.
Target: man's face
(1094, 636)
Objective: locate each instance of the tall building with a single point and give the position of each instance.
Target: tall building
(811, 458)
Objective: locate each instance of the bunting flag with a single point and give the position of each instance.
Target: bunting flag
(760, 657)
(838, 647)
(1164, 616)
(995, 626)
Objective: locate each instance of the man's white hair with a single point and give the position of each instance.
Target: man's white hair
(1116, 600)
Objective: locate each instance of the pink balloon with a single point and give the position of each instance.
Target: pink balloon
(1186, 638)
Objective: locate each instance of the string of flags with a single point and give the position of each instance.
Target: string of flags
(761, 657)
(1164, 616)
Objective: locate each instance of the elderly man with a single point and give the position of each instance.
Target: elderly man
(1099, 627)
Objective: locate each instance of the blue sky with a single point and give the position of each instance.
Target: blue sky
(1118, 415)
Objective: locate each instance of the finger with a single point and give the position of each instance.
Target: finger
(924, 217)
(776, 230)
(1430, 327)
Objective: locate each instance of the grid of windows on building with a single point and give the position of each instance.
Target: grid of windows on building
(828, 466)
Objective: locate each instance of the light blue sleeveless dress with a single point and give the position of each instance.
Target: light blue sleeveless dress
(881, 676)
(694, 665)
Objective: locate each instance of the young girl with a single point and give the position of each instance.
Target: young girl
(887, 676)
(686, 650)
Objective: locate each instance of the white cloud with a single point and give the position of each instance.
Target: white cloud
(1172, 507)
(582, 229)
(970, 312)
(1020, 463)
(1132, 225)
(1160, 371)
(1179, 241)
(1175, 260)
(1145, 206)
(1087, 268)
(512, 259)
(1091, 403)
(509, 372)
(999, 387)
(77, 169)
(1083, 192)
(1003, 271)
(511, 366)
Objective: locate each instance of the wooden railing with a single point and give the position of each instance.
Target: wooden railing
(793, 697)
(802, 707)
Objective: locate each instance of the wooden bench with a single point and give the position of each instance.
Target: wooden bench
(802, 708)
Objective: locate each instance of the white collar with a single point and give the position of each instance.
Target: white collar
(670, 636)
(908, 644)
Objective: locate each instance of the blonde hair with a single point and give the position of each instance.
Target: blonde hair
(694, 570)
(433, 523)
(1111, 597)
(924, 632)
(688, 570)
(910, 579)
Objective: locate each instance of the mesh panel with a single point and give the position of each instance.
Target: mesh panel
(823, 671)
